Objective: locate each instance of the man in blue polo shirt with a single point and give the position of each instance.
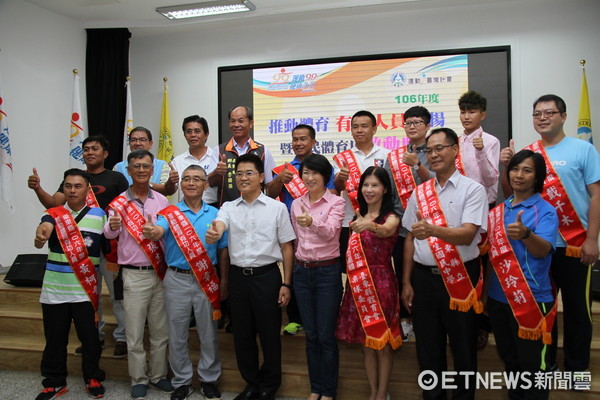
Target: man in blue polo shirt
(183, 293)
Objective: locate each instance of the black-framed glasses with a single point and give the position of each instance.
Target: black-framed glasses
(437, 149)
(414, 123)
(190, 131)
(140, 140)
(545, 113)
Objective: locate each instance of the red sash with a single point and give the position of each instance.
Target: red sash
(90, 199)
(454, 273)
(134, 222)
(111, 258)
(194, 252)
(532, 323)
(372, 319)
(76, 252)
(295, 187)
(569, 225)
(459, 164)
(354, 178)
(402, 174)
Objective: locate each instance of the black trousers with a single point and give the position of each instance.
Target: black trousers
(344, 236)
(573, 279)
(518, 355)
(255, 310)
(433, 322)
(57, 324)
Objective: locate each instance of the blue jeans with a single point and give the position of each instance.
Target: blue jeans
(319, 293)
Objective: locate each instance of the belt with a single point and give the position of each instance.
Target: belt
(142, 268)
(315, 264)
(434, 270)
(253, 271)
(180, 270)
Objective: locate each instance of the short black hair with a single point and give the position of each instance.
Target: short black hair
(139, 153)
(560, 103)
(539, 166)
(249, 113)
(451, 136)
(418, 112)
(195, 118)
(77, 172)
(311, 130)
(142, 129)
(365, 113)
(317, 163)
(472, 100)
(251, 158)
(96, 138)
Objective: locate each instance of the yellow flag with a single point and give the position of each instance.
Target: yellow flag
(165, 144)
(584, 122)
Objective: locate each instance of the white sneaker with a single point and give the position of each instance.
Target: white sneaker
(407, 328)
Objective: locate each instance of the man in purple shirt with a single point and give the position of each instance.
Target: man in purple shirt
(143, 294)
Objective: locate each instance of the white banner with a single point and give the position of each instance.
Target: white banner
(76, 135)
(6, 169)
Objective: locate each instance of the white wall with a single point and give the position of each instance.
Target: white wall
(39, 49)
(548, 38)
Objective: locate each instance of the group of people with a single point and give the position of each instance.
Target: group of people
(416, 230)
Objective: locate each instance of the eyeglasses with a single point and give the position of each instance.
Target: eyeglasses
(136, 140)
(437, 149)
(249, 174)
(190, 131)
(137, 166)
(414, 123)
(545, 113)
(195, 179)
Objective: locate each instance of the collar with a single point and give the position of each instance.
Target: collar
(374, 149)
(208, 153)
(233, 146)
(73, 212)
(261, 198)
(184, 207)
(131, 197)
(527, 203)
(469, 137)
(454, 178)
(326, 197)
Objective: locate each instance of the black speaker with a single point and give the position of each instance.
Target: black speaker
(27, 270)
(596, 280)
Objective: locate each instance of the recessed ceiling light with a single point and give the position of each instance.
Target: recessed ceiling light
(205, 9)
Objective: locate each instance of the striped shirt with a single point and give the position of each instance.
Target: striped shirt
(60, 282)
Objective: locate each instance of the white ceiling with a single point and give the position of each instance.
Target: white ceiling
(142, 13)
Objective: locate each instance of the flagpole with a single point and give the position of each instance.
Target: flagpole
(584, 122)
(128, 117)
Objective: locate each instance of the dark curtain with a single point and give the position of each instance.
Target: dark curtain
(106, 68)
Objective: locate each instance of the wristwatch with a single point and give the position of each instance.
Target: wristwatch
(527, 234)
(287, 286)
(416, 166)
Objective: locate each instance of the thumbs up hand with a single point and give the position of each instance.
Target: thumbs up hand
(517, 230)
(344, 172)
(304, 219)
(114, 222)
(42, 234)
(173, 175)
(478, 141)
(410, 159)
(213, 234)
(33, 182)
(360, 224)
(507, 153)
(422, 229)
(148, 228)
(286, 175)
(221, 165)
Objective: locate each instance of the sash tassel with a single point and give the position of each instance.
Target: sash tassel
(216, 315)
(379, 343)
(465, 305)
(573, 251)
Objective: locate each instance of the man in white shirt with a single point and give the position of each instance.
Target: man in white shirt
(260, 235)
(195, 131)
(364, 127)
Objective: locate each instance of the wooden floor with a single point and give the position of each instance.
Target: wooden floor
(22, 342)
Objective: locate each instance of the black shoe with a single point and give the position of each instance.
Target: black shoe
(210, 391)
(247, 394)
(266, 396)
(94, 389)
(182, 392)
(52, 393)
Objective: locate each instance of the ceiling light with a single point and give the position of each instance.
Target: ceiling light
(205, 9)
